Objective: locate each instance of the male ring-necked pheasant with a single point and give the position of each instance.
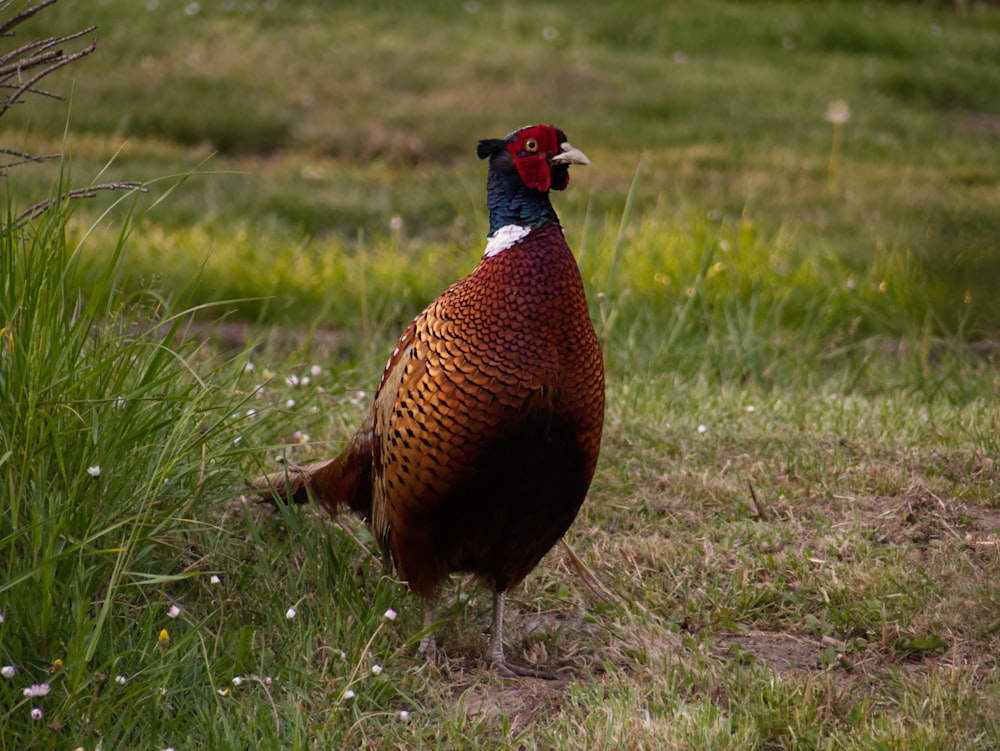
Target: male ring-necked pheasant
(484, 434)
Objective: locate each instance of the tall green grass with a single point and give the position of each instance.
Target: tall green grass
(680, 290)
(122, 448)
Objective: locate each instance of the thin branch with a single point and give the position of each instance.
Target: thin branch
(23, 157)
(51, 64)
(22, 16)
(19, 65)
(20, 70)
(89, 192)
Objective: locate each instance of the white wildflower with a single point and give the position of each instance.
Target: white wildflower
(316, 370)
(215, 579)
(8, 671)
(404, 715)
(38, 689)
(237, 680)
(376, 669)
(702, 428)
(173, 611)
(349, 694)
(837, 112)
(36, 713)
(390, 614)
(292, 380)
(121, 680)
(291, 613)
(94, 471)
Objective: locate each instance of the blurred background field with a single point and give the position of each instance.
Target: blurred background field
(321, 132)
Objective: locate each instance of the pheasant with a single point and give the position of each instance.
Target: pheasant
(486, 425)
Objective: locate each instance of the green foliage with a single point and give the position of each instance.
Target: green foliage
(119, 439)
(366, 113)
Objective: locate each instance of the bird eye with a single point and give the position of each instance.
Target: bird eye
(531, 145)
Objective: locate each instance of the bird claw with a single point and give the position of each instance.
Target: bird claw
(510, 670)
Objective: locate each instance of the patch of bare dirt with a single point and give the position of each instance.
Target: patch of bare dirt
(785, 653)
(519, 701)
(920, 516)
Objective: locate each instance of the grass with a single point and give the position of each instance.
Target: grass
(329, 121)
(796, 508)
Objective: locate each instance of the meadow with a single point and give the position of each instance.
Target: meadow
(794, 524)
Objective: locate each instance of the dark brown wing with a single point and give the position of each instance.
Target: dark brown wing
(488, 420)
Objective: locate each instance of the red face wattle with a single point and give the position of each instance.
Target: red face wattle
(533, 149)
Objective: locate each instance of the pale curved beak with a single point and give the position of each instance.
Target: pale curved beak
(570, 155)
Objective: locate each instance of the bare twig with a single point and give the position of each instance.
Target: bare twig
(23, 67)
(23, 157)
(758, 509)
(587, 576)
(49, 62)
(89, 192)
(6, 26)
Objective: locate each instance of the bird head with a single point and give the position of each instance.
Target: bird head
(540, 154)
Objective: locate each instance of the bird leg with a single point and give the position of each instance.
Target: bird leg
(428, 647)
(494, 650)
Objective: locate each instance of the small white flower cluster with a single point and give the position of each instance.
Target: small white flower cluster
(239, 680)
(41, 690)
(292, 380)
(37, 691)
(376, 669)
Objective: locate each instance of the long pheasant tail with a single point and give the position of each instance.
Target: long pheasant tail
(343, 481)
